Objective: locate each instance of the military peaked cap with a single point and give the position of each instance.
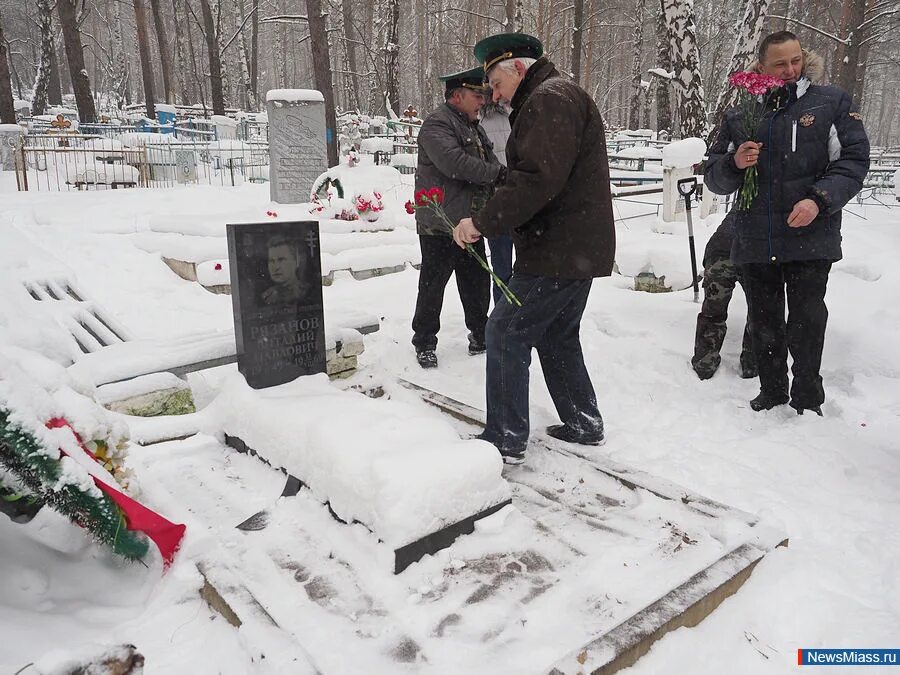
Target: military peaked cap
(491, 50)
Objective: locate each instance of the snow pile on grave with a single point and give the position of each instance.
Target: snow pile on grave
(640, 152)
(372, 145)
(374, 461)
(683, 154)
(295, 95)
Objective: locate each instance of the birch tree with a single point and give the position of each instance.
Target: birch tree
(663, 62)
(249, 93)
(391, 51)
(42, 79)
(634, 108)
(749, 29)
(686, 65)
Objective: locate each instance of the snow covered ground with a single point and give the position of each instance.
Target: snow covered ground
(830, 483)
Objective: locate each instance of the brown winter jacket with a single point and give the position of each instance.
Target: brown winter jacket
(556, 200)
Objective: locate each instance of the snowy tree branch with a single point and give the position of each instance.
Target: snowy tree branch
(239, 29)
(812, 28)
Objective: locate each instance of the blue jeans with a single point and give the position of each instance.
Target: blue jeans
(501, 262)
(550, 320)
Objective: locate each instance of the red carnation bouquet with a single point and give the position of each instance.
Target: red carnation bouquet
(755, 89)
(433, 199)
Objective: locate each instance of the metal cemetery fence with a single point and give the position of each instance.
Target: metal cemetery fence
(47, 162)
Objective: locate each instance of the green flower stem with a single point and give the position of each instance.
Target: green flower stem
(439, 210)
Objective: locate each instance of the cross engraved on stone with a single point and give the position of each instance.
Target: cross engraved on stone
(311, 243)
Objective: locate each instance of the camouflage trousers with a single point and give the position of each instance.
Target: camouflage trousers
(719, 279)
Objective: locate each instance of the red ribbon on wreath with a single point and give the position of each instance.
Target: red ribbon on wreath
(165, 534)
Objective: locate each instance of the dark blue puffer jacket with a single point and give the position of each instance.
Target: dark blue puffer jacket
(814, 146)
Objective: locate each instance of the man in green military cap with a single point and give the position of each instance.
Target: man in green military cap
(555, 201)
(455, 155)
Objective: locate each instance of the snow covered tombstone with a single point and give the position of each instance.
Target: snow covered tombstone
(276, 282)
(678, 162)
(297, 149)
(9, 140)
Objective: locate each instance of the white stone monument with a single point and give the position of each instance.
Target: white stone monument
(9, 141)
(297, 148)
(678, 162)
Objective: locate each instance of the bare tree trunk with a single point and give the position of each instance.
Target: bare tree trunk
(350, 40)
(749, 30)
(54, 87)
(392, 57)
(634, 109)
(279, 52)
(510, 21)
(577, 29)
(254, 51)
(181, 51)
(42, 80)
(847, 56)
(165, 58)
(215, 64)
(120, 58)
(87, 112)
(7, 108)
(686, 64)
(247, 80)
(140, 22)
(318, 36)
(664, 61)
(222, 27)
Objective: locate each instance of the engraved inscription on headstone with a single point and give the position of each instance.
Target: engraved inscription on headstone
(185, 166)
(297, 149)
(9, 141)
(276, 282)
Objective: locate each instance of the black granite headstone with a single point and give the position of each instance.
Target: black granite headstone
(276, 284)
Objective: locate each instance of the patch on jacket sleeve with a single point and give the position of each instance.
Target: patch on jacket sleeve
(807, 120)
(855, 115)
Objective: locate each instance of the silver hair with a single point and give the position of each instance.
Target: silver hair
(509, 65)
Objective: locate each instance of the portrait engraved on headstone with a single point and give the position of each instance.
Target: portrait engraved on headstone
(276, 282)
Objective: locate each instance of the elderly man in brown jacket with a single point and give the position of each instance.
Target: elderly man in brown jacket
(556, 203)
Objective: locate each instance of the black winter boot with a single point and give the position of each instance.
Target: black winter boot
(427, 358)
(564, 432)
(767, 401)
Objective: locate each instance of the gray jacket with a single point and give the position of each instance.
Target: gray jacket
(450, 159)
(495, 122)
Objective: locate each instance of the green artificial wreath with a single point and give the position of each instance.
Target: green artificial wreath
(22, 454)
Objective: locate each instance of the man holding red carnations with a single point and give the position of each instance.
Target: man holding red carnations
(796, 154)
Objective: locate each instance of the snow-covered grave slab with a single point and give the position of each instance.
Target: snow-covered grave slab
(415, 486)
(735, 541)
(592, 562)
